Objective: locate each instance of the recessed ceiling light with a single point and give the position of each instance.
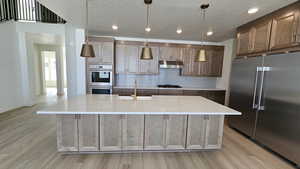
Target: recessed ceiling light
(148, 29)
(115, 27)
(209, 33)
(179, 31)
(252, 10)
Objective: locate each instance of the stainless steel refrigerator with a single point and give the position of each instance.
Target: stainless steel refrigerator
(267, 91)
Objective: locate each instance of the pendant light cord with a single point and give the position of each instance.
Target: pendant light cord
(203, 18)
(86, 21)
(147, 24)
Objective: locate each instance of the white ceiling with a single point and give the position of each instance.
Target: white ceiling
(223, 16)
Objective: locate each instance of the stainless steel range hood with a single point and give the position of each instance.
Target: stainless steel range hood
(164, 64)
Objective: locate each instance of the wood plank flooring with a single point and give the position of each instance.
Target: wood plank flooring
(28, 141)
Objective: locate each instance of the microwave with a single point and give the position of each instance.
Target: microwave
(101, 78)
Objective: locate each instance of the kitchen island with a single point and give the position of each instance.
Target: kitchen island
(112, 123)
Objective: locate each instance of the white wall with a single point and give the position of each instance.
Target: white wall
(10, 75)
(224, 81)
(75, 64)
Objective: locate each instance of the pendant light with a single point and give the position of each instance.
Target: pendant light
(201, 54)
(146, 50)
(87, 49)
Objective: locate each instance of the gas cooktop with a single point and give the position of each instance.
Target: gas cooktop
(169, 86)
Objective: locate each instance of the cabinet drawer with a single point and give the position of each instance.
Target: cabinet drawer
(147, 92)
(170, 92)
(123, 92)
(195, 93)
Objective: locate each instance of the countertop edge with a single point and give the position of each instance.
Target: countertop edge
(159, 88)
(138, 113)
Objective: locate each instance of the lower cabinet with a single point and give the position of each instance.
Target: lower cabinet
(154, 132)
(195, 132)
(205, 132)
(175, 131)
(121, 132)
(165, 132)
(67, 133)
(111, 132)
(133, 132)
(214, 131)
(88, 132)
(107, 133)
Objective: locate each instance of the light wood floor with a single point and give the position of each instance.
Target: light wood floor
(28, 141)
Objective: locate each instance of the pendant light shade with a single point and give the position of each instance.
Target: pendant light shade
(201, 56)
(146, 53)
(87, 50)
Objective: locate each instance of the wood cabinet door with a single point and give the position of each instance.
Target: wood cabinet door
(261, 36)
(110, 132)
(98, 52)
(169, 53)
(107, 52)
(67, 133)
(175, 131)
(155, 129)
(131, 55)
(243, 42)
(284, 30)
(196, 132)
(215, 63)
(149, 66)
(214, 131)
(133, 132)
(187, 60)
(121, 59)
(88, 132)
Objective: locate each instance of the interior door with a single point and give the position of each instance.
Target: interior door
(244, 78)
(278, 125)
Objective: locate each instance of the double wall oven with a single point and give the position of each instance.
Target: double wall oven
(100, 79)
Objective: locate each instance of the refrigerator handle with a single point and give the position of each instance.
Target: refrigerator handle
(254, 105)
(260, 106)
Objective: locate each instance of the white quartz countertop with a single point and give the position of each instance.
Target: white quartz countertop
(160, 88)
(114, 104)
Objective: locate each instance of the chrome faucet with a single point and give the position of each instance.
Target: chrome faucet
(135, 89)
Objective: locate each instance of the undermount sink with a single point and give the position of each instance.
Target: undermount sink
(137, 98)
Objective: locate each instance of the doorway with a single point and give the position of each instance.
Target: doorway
(49, 72)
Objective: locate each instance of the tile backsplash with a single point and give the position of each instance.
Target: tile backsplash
(166, 76)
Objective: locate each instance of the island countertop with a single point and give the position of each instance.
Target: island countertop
(114, 104)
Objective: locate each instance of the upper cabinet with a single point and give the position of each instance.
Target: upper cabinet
(104, 53)
(128, 60)
(170, 53)
(213, 66)
(243, 42)
(260, 36)
(284, 29)
(278, 31)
